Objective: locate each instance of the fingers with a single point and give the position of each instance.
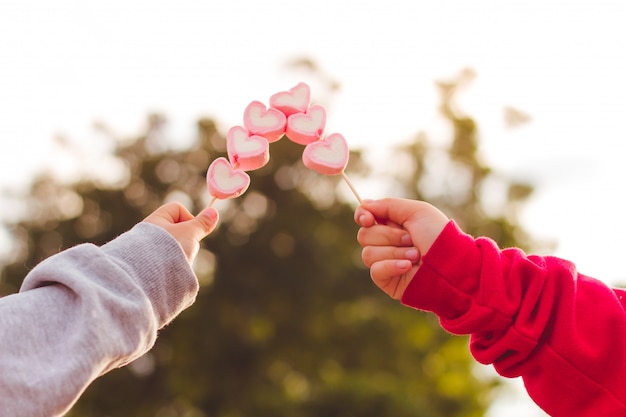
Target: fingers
(393, 209)
(363, 217)
(393, 276)
(383, 235)
(372, 212)
(179, 212)
(169, 213)
(394, 234)
(373, 254)
(383, 271)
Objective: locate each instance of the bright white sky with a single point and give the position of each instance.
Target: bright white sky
(68, 63)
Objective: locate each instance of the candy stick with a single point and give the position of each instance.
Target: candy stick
(351, 186)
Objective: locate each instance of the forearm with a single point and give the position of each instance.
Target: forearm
(529, 316)
(84, 312)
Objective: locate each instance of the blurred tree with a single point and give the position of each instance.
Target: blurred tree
(454, 177)
(287, 321)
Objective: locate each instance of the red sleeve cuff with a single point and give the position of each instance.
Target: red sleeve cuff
(448, 276)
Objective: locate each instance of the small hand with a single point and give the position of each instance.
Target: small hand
(395, 233)
(183, 226)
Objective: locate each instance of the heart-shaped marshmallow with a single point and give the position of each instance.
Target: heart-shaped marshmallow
(269, 123)
(305, 128)
(295, 100)
(246, 152)
(328, 156)
(224, 181)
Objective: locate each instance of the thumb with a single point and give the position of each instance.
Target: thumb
(396, 210)
(204, 223)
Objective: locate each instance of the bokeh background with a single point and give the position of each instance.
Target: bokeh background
(505, 114)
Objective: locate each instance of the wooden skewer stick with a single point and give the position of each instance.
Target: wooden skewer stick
(351, 186)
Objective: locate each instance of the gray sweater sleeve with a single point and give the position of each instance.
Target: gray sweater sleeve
(84, 312)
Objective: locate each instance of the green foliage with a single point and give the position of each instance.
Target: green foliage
(287, 321)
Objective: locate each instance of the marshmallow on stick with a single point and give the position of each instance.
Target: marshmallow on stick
(329, 156)
(245, 151)
(307, 127)
(269, 123)
(224, 181)
(295, 100)
(248, 147)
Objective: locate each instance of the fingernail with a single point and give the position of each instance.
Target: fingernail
(412, 254)
(361, 218)
(404, 264)
(406, 239)
(212, 213)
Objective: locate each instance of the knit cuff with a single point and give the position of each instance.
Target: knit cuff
(157, 263)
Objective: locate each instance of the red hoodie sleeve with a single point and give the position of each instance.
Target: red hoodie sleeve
(530, 316)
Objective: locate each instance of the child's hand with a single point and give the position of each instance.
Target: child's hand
(183, 226)
(394, 234)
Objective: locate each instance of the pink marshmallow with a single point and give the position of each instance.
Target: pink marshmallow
(328, 156)
(244, 151)
(305, 128)
(269, 123)
(295, 100)
(224, 181)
